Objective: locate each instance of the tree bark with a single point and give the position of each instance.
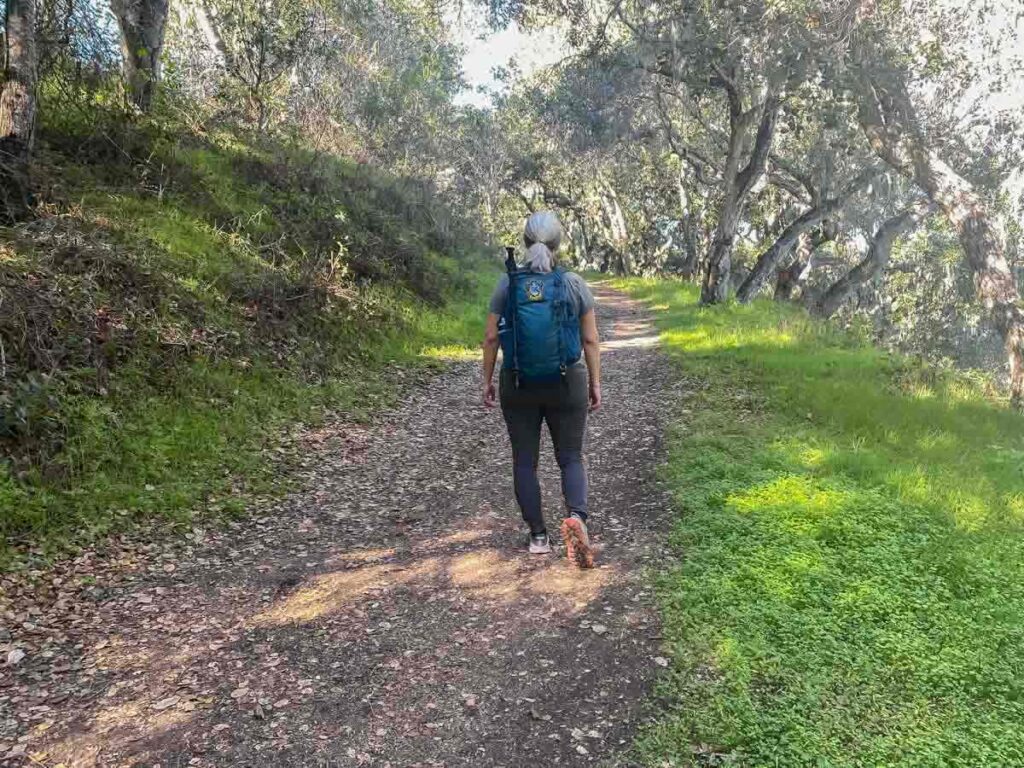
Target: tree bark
(715, 285)
(717, 271)
(617, 228)
(738, 183)
(688, 225)
(790, 280)
(203, 20)
(873, 265)
(18, 109)
(578, 236)
(142, 24)
(768, 261)
(888, 119)
(691, 264)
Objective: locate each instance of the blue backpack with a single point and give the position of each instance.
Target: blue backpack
(540, 327)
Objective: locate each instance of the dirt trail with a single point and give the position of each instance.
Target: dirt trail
(385, 616)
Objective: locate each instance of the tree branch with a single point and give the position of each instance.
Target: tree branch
(768, 261)
(697, 160)
(728, 84)
(805, 180)
(762, 144)
(788, 185)
(876, 260)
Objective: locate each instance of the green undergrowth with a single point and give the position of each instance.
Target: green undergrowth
(183, 301)
(850, 588)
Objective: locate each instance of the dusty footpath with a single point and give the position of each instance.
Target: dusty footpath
(385, 615)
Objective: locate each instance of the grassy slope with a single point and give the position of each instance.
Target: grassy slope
(851, 587)
(209, 358)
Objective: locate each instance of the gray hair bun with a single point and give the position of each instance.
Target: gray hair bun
(543, 232)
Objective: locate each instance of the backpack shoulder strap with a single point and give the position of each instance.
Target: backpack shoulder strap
(560, 315)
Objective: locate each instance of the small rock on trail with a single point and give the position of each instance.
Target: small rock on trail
(386, 615)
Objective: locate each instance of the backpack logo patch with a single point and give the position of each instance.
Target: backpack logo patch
(535, 290)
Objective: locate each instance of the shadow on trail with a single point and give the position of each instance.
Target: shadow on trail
(356, 624)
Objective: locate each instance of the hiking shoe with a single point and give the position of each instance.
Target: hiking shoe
(577, 542)
(539, 544)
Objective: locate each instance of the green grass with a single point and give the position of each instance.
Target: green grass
(850, 588)
(261, 286)
(138, 454)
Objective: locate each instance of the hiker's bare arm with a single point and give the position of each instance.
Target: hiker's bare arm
(592, 354)
(490, 356)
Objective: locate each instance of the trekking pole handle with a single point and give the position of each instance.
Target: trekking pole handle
(511, 267)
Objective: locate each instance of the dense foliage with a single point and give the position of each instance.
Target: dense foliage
(860, 158)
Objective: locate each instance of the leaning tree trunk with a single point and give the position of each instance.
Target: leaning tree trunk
(142, 24)
(691, 262)
(768, 261)
(18, 109)
(873, 265)
(789, 282)
(717, 272)
(580, 238)
(738, 184)
(890, 124)
(788, 277)
(204, 20)
(715, 285)
(575, 207)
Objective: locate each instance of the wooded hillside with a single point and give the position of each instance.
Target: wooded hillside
(198, 253)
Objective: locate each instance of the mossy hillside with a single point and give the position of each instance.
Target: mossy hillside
(188, 298)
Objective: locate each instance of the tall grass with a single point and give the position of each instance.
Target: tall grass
(850, 584)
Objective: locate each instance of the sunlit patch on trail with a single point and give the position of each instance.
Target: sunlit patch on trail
(116, 655)
(114, 727)
(490, 575)
(637, 342)
(486, 574)
(579, 587)
(329, 593)
(465, 536)
(121, 656)
(363, 555)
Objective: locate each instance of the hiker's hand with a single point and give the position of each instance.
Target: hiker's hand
(595, 397)
(490, 395)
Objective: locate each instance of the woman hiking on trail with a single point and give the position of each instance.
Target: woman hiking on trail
(543, 319)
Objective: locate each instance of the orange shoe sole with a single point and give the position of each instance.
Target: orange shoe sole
(577, 543)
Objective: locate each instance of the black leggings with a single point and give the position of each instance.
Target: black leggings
(563, 405)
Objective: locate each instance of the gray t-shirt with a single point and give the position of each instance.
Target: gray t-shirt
(576, 290)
